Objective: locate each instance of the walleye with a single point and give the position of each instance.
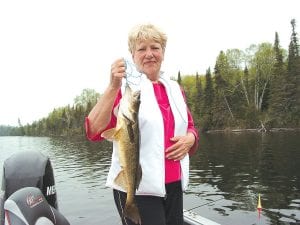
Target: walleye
(126, 134)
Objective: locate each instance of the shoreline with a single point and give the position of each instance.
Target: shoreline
(259, 130)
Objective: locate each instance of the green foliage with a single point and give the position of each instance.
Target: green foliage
(294, 76)
(63, 121)
(247, 89)
(266, 92)
(278, 104)
(10, 131)
(87, 97)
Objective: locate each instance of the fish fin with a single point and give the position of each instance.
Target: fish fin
(138, 176)
(130, 132)
(131, 211)
(120, 180)
(129, 124)
(110, 134)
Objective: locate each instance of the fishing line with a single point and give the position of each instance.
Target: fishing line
(205, 204)
(132, 75)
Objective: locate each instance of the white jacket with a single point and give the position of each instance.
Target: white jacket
(152, 150)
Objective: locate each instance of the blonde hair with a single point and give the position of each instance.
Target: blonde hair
(145, 32)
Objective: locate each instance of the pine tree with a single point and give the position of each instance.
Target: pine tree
(179, 78)
(198, 101)
(222, 112)
(278, 88)
(294, 77)
(208, 100)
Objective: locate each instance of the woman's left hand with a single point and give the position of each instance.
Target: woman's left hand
(181, 147)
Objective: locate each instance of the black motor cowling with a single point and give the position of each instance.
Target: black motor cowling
(27, 169)
(28, 206)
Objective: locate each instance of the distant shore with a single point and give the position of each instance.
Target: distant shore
(253, 130)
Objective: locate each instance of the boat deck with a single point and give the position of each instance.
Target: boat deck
(191, 218)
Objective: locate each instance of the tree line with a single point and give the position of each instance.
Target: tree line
(258, 87)
(247, 89)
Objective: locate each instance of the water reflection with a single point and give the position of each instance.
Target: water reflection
(83, 166)
(227, 173)
(238, 167)
(81, 159)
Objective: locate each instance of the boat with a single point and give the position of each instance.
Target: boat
(28, 194)
(192, 218)
(29, 206)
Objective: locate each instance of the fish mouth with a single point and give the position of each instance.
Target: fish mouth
(137, 95)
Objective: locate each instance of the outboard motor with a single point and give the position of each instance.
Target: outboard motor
(28, 206)
(27, 169)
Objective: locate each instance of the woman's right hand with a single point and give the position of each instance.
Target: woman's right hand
(118, 69)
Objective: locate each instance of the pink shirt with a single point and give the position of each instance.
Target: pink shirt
(172, 168)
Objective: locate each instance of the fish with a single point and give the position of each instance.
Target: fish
(127, 135)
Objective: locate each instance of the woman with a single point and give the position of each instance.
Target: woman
(164, 155)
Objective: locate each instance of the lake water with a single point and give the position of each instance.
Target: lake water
(227, 174)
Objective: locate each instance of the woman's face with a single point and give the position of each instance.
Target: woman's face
(148, 57)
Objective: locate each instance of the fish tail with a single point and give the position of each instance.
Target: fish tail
(131, 211)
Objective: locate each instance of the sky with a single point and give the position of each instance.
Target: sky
(51, 50)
